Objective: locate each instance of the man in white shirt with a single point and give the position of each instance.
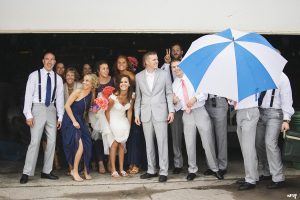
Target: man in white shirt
(44, 89)
(194, 117)
(154, 109)
(247, 116)
(275, 114)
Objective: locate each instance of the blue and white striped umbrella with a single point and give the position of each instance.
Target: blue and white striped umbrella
(233, 64)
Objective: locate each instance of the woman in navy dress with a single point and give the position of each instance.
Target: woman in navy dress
(76, 137)
(104, 80)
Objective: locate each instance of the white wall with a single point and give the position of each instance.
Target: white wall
(155, 16)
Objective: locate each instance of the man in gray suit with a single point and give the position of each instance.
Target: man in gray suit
(154, 108)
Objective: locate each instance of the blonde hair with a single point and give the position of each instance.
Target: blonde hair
(94, 80)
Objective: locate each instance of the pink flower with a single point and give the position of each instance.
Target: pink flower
(107, 91)
(102, 102)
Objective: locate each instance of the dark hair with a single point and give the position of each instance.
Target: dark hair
(100, 62)
(130, 88)
(72, 69)
(117, 73)
(176, 44)
(146, 55)
(48, 52)
(175, 60)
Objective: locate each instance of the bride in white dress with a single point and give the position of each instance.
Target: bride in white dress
(119, 115)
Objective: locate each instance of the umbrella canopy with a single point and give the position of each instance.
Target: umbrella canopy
(233, 64)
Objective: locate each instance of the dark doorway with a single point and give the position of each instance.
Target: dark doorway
(22, 53)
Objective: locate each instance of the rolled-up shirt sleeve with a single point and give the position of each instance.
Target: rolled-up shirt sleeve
(286, 98)
(29, 96)
(60, 98)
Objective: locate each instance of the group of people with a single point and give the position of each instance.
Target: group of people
(140, 109)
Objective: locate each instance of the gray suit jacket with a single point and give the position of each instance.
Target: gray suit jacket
(158, 102)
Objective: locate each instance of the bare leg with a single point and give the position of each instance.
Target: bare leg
(112, 155)
(78, 155)
(56, 161)
(101, 167)
(121, 157)
(121, 160)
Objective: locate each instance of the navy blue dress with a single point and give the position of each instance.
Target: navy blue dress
(72, 135)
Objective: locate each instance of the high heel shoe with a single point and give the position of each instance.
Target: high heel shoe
(75, 178)
(87, 177)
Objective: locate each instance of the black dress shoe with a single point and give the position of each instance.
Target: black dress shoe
(276, 185)
(223, 171)
(49, 176)
(191, 176)
(218, 175)
(177, 170)
(147, 175)
(263, 178)
(162, 178)
(246, 186)
(242, 181)
(24, 179)
(208, 172)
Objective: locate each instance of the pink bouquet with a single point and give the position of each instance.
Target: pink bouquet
(107, 91)
(101, 102)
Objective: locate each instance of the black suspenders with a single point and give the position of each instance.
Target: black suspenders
(40, 95)
(54, 90)
(272, 98)
(40, 88)
(171, 73)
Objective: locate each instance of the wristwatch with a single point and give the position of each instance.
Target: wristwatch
(287, 121)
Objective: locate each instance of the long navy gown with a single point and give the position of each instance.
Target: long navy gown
(72, 135)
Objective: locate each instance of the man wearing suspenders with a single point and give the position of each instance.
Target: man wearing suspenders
(275, 113)
(44, 89)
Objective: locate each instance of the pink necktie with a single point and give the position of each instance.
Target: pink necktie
(185, 96)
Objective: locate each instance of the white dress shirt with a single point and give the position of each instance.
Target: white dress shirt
(150, 79)
(248, 102)
(177, 89)
(32, 92)
(282, 98)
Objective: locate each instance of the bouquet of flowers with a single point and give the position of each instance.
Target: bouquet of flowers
(133, 62)
(101, 102)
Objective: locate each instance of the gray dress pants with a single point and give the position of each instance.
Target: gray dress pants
(44, 120)
(177, 132)
(246, 130)
(159, 130)
(218, 115)
(268, 152)
(199, 119)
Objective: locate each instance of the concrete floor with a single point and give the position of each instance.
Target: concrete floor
(105, 187)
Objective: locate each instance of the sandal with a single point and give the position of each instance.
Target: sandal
(87, 177)
(123, 173)
(115, 174)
